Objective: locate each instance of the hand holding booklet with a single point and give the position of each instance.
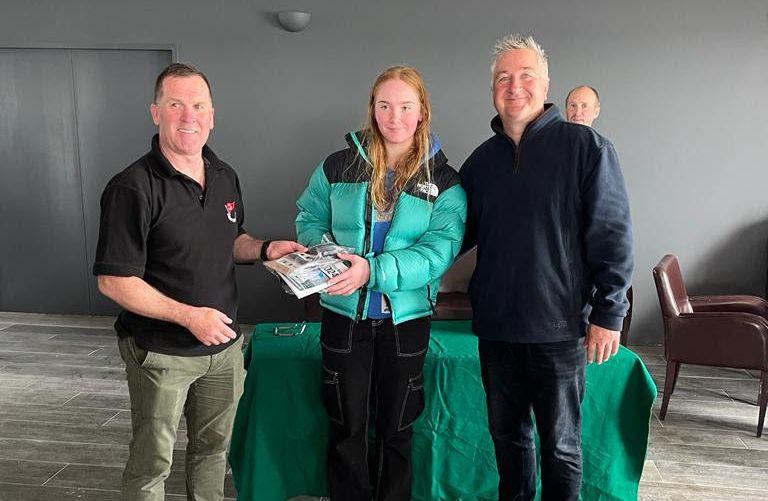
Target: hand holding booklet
(308, 272)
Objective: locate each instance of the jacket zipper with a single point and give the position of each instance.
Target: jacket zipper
(516, 164)
(366, 248)
(389, 303)
(429, 298)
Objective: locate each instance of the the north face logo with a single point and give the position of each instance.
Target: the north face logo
(428, 188)
(231, 212)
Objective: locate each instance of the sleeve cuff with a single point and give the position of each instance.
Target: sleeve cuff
(117, 270)
(606, 320)
(372, 273)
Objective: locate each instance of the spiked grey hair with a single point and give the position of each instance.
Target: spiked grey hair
(516, 42)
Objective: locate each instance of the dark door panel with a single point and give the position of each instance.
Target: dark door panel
(69, 120)
(113, 91)
(42, 240)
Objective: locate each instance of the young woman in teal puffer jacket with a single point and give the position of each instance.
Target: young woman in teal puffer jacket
(391, 196)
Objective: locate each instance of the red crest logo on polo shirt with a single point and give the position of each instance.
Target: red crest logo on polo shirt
(231, 212)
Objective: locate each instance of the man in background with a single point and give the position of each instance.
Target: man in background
(582, 106)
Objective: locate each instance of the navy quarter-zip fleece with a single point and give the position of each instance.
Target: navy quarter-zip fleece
(551, 221)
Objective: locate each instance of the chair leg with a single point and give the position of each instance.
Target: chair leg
(762, 401)
(669, 386)
(624, 338)
(674, 379)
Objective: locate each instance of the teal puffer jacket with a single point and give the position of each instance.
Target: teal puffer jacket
(424, 237)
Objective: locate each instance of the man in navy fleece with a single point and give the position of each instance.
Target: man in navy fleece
(549, 213)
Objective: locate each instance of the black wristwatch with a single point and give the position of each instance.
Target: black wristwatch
(264, 246)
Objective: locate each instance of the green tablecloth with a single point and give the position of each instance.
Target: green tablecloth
(280, 432)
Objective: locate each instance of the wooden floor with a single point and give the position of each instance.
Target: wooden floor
(65, 413)
(65, 421)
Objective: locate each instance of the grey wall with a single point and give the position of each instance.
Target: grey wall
(683, 85)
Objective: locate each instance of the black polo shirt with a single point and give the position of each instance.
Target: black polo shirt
(160, 225)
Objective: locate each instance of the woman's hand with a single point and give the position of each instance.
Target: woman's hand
(355, 277)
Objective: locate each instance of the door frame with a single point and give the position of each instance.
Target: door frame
(174, 48)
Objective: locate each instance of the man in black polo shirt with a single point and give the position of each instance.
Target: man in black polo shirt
(171, 232)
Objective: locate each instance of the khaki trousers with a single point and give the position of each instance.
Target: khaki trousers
(206, 390)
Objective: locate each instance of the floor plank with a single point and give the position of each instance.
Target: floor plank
(28, 472)
(714, 475)
(62, 330)
(103, 477)
(56, 414)
(665, 491)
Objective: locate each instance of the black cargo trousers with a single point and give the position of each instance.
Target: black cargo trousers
(372, 373)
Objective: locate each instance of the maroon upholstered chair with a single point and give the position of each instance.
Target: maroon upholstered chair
(624, 339)
(452, 300)
(452, 306)
(720, 331)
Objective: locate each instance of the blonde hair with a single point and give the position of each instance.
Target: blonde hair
(411, 162)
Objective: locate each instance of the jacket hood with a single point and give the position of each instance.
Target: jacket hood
(355, 141)
(549, 116)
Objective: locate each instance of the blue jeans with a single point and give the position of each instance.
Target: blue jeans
(548, 379)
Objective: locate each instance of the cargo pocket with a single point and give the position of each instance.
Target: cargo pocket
(336, 332)
(412, 337)
(413, 403)
(331, 395)
(142, 358)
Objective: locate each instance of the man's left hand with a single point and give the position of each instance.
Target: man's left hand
(355, 277)
(601, 343)
(280, 248)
